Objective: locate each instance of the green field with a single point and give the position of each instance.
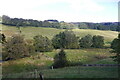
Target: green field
(30, 32)
(25, 67)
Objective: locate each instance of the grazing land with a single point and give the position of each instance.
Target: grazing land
(25, 67)
(29, 32)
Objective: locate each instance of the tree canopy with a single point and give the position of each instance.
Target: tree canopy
(66, 39)
(86, 42)
(115, 45)
(42, 44)
(15, 48)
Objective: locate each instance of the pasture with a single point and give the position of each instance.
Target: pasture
(25, 67)
(42, 61)
(30, 32)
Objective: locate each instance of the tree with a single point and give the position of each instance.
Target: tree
(86, 42)
(98, 41)
(115, 45)
(116, 50)
(66, 39)
(6, 20)
(30, 46)
(15, 48)
(58, 40)
(60, 59)
(42, 44)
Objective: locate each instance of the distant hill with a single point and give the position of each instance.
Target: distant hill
(19, 22)
(29, 32)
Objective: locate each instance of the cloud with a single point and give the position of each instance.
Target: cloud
(85, 5)
(68, 10)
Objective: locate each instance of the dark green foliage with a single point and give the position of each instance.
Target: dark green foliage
(98, 41)
(114, 43)
(58, 40)
(19, 22)
(30, 46)
(86, 42)
(42, 44)
(15, 48)
(116, 48)
(6, 19)
(61, 25)
(60, 59)
(66, 39)
(2, 38)
(83, 26)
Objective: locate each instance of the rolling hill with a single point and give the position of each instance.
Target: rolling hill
(25, 67)
(29, 32)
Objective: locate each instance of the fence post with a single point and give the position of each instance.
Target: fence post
(41, 76)
(52, 67)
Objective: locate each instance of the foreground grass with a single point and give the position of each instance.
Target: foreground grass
(83, 55)
(42, 61)
(71, 72)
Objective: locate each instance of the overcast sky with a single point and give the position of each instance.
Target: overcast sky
(62, 10)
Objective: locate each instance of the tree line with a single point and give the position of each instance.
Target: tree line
(19, 22)
(18, 47)
(113, 26)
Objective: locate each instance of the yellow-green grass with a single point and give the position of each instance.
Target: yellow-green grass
(40, 61)
(83, 55)
(30, 32)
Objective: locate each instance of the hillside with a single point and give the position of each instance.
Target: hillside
(25, 67)
(29, 32)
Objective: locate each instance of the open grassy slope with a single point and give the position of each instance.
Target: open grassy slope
(41, 61)
(29, 32)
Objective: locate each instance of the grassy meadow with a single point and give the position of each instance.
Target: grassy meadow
(25, 67)
(30, 32)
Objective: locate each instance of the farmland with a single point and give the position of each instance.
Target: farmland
(43, 60)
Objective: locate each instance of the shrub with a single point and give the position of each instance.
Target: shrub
(116, 49)
(16, 48)
(60, 60)
(66, 39)
(42, 44)
(98, 41)
(86, 41)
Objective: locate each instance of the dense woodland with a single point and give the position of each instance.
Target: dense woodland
(19, 22)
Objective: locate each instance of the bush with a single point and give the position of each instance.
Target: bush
(42, 44)
(2, 38)
(98, 41)
(86, 41)
(16, 48)
(116, 49)
(30, 46)
(66, 39)
(60, 60)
